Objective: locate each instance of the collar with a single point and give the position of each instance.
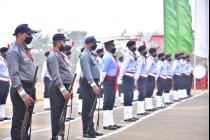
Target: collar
(20, 45)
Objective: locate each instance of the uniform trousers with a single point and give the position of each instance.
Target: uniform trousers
(127, 87)
(19, 109)
(141, 88)
(109, 94)
(161, 86)
(57, 103)
(4, 91)
(150, 86)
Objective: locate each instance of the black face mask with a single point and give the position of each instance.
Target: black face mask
(169, 60)
(28, 40)
(94, 47)
(145, 54)
(154, 55)
(162, 59)
(113, 50)
(62, 48)
(68, 53)
(133, 49)
(188, 60)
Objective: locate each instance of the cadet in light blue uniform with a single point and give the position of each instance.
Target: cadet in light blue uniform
(126, 78)
(161, 79)
(140, 80)
(168, 86)
(176, 68)
(108, 78)
(188, 75)
(150, 84)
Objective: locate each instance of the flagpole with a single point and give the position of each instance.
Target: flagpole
(194, 56)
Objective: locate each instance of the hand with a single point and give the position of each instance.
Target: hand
(119, 81)
(28, 101)
(66, 95)
(96, 90)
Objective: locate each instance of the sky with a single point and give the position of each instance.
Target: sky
(101, 18)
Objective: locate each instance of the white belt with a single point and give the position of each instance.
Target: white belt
(152, 74)
(4, 79)
(129, 74)
(178, 74)
(169, 77)
(187, 74)
(144, 75)
(163, 77)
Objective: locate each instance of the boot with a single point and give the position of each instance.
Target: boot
(175, 95)
(185, 93)
(122, 98)
(79, 109)
(166, 98)
(141, 108)
(158, 102)
(46, 104)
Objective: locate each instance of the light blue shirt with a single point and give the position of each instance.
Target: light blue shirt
(151, 65)
(4, 73)
(188, 68)
(128, 64)
(141, 67)
(169, 68)
(109, 65)
(177, 67)
(161, 68)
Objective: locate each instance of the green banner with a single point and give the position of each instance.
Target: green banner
(177, 26)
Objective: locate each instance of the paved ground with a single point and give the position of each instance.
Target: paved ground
(185, 120)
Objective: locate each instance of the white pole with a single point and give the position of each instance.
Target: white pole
(194, 56)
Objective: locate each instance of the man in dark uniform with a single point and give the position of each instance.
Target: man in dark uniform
(89, 86)
(61, 79)
(108, 77)
(4, 83)
(22, 70)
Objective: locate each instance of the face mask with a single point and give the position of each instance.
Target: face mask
(169, 59)
(113, 50)
(163, 59)
(154, 55)
(145, 54)
(68, 53)
(28, 40)
(188, 60)
(94, 47)
(134, 49)
(62, 48)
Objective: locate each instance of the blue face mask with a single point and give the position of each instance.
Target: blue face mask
(28, 40)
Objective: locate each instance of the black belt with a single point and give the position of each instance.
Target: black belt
(27, 83)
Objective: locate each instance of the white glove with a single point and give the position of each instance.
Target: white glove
(119, 81)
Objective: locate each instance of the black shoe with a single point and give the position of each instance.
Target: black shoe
(168, 103)
(111, 127)
(130, 120)
(47, 109)
(1, 119)
(89, 135)
(143, 114)
(69, 119)
(98, 134)
(117, 126)
(6, 118)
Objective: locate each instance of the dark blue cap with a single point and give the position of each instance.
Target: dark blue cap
(58, 37)
(110, 42)
(91, 39)
(141, 48)
(160, 55)
(130, 43)
(4, 49)
(152, 50)
(168, 56)
(23, 28)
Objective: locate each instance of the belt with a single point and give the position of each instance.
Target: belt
(110, 78)
(29, 83)
(152, 74)
(2, 79)
(186, 74)
(163, 77)
(84, 78)
(143, 76)
(169, 77)
(178, 74)
(129, 74)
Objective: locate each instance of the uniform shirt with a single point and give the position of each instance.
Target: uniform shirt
(45, 72)
(177, 69)
(169, 68)
(128, 64)
(58, 69)
(161, 68)
(4, 73)
(141, 67)
(188, 68)
(151, 65)
(182, 64)
(99, 59)
(109, 65)
(89, 66)
(21, 66)
(68, 63)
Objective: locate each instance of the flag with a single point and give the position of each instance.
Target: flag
(177, 26)
(201, 28)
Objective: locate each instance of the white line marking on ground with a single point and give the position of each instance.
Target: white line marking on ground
(148, 116)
